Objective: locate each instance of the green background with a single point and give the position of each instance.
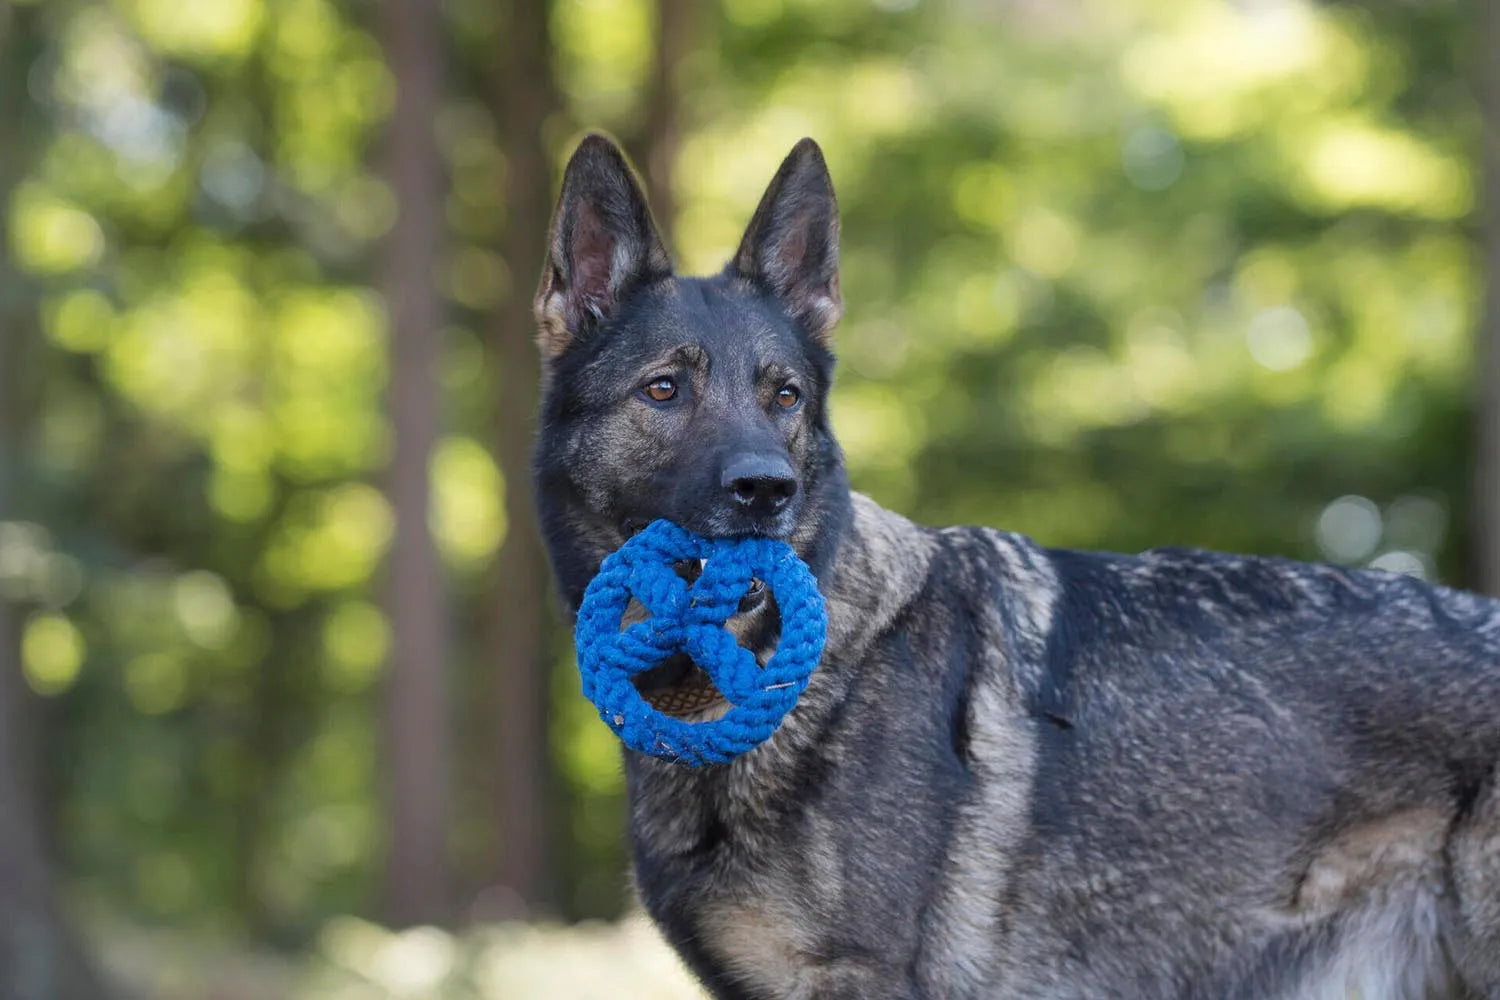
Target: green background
(1117, 273)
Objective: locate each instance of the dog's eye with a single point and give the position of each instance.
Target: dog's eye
(787, 396)
(661, 389)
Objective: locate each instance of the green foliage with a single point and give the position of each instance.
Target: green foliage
(1118, 274)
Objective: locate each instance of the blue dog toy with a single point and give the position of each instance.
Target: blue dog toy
(690, 619)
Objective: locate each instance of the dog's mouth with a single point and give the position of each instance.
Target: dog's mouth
(679, 687)
(682, 689)
(781, 527)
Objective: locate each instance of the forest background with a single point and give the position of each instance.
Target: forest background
(286, 705)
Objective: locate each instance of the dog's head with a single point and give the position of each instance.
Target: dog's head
(700, 400)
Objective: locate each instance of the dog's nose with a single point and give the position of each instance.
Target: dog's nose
(760, 484)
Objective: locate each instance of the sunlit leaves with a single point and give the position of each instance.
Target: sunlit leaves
(1043, 241)
(983, 193)
(52, 651)
(468, 518)
(1222, 70)
(103, 69)
(332, 89)
(325, 377)
(189, 345)
(222, 29)
(605, 49)
(80, 321)
(1347, 164)
(50, 235)
(723, 168)
(205, 608)
(327, 540)
(239, 494)
(881, 432)
(356, 638)
(156, 682)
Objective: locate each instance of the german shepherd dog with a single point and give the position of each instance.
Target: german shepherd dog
(1017, 772)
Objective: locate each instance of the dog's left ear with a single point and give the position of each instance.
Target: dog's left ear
(602, 246)
(791, 247)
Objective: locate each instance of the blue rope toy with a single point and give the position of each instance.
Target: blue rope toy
(690, 619)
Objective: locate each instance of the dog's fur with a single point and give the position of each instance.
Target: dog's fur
(1017, 772)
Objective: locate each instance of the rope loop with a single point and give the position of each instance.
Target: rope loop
(690, 618)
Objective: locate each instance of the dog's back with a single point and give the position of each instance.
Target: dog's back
(1281, 773)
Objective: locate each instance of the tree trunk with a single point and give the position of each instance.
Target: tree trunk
(521, 621)
(416, 718)
(40, 956)
(1487, 351)
(661, 136)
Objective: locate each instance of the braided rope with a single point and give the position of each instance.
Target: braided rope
(691, 619)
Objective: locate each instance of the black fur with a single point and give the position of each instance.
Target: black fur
(1017, 772)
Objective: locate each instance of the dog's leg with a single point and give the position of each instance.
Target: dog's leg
(1474, 866)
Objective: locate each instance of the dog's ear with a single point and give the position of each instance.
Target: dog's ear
(791, 247)
(602, 244)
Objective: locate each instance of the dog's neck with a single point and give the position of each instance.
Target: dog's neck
(869, 562)
(878, 565)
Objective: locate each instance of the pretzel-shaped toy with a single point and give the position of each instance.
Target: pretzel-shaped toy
(690, 618)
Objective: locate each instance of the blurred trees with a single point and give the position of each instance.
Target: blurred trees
(415, 754)
(41, 956)
(659, 138)
(520, 629)
(1117, 274)
(1487, 350)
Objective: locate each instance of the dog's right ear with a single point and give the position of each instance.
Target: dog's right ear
(791, 247)
(602, 244)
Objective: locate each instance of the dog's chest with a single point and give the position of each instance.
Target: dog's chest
(749, 926)
(747, 899)
(764, 945)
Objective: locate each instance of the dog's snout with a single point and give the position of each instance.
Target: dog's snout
(761, 484)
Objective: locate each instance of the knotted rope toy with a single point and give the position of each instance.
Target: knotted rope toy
(689, 618)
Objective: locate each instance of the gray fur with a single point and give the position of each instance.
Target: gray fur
(1021, 772)
(1276, 808)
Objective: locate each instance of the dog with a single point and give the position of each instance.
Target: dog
(1017, 772)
